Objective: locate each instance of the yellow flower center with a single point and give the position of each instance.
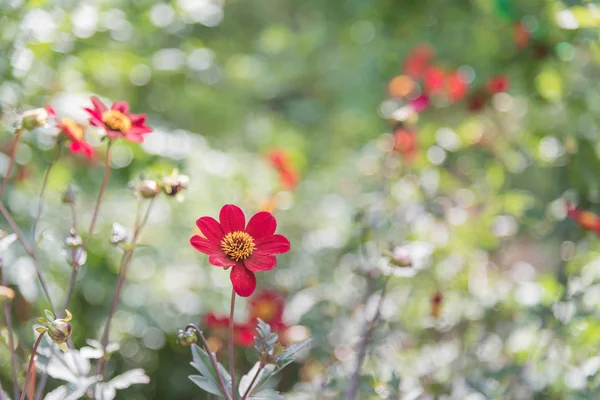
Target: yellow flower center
(73, 128)
(265, 310)
(116, 121)
(238, 245)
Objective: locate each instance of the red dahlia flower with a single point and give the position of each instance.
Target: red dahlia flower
(268, 305)
(497, 84)
(118, 121)
(74, 133)
(248, 249)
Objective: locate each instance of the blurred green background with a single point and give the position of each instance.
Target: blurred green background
(224, 82)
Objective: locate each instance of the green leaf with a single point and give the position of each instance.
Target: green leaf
(268, 394)
(289, 354)
(207, 379)
(263, 376)
(49, 315)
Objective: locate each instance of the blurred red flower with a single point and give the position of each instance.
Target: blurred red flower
(420, 103)
(497, 84)
(456, 87)
(405, 142)
(521, 36)
(268, 305)
(248, 249)
(74, 133)
(417, 60)
(243, 334)
(282, 162)
(586, 219)
(434, 80)
(118, 121)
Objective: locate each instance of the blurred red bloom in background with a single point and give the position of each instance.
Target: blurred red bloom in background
(497, 84)
(248, 249)
(74, 133)
(118, 121)
(586, 219)
(417, 61)
(243, 334)
(405, 142)
(268, 305)
(282, 162)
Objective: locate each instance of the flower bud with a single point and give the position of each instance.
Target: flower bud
(187, 338)
(32, 119)
(401, 258)
(74, 240)
(68, 196)
(59, 330)
(6, 293)
(148, 189)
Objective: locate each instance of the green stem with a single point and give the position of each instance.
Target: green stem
(260, 368)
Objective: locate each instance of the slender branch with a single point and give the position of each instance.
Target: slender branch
(260, 368)
(11, 340)
(31, 364)
(74, 256)
(100, 194)
(29, 249)
(213, 360)
(11, 162)
(42, 191)
(231, 350)
(125, 260)
(368, 329)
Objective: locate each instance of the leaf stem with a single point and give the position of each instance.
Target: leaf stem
(260, 368)
(31, 364)
(368, 329)
(231, 343)
(213, 360)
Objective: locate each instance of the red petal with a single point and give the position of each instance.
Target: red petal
(137, 119)
(261, 225)
(95, 118)
(139, 130)
(244, 281)
(275, 244)
(134, 138)
(121, 106)
(203, 245)
(259, 262)
(113, 134)
(99, 107)
(220, 260)
(211, 229)
(232, 218)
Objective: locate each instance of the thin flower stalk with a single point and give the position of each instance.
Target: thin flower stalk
(29, 249)
(125, 260)
(30, 367)
(11, 161)
(231, 347)
(11, 340)
(100, 195)
(42, 191)
(368, 329)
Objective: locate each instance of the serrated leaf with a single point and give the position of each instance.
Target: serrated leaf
(289, 354)
(201, 362)
(268, 394)
(72, 391)
(206, 384)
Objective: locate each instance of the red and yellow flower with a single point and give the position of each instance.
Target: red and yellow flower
(268, 305)
(118, 121)
(250, 248)
(74, 133)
